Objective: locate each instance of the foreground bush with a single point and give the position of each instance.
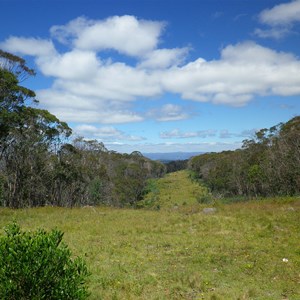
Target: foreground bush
(36, 265)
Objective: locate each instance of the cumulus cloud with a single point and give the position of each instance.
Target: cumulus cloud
(125, 34)
(107, 116)
(243, 71)
(66, 34)
(89, 87)
(280, 20)
(29, 46)
(73, 65)
(281, 14)
(106, 134)
(178, 134)
(164, 58)
(168, 112)
(77, 108)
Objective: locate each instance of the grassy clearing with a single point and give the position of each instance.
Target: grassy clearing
(174, 190)
(182, 253)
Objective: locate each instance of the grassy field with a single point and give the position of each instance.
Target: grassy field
(248, 250)
(174, 190)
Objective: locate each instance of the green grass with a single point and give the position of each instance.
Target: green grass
(182, 253)
(174, 190)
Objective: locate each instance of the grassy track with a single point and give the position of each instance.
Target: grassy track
(174, 190)
(235, 253)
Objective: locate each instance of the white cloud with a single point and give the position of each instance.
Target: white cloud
(76, 108)
(164, 58)
(280, 20)
(65, 34)
(243, 71)
(168, 112)
(81, 73)
(29, 46)
(89, 88)
(275, 33)
(74, 65)
(107, 134)
(176, 133)
(281, 14)
(125, 34)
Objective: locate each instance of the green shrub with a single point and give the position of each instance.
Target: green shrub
(36, 265)
(206, 198)
(95, 190)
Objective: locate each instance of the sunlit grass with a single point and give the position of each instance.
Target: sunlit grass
(175, 190)
(236, 253)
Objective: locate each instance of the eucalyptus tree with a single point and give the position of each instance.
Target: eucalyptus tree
(27, 135)
(40, 165)
(267, 165)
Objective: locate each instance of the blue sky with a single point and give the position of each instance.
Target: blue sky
(160, 76)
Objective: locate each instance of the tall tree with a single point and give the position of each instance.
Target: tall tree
(13, 96)
(267, 165)
(26, 135)
(39, 164)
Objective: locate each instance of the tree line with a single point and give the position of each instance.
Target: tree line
(267, 165)
(41, 163)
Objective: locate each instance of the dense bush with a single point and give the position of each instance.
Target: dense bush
(267, 165)
(39, 165)
(176, 165)
(36, 265)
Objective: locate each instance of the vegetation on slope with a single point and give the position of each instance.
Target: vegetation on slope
(267, 165)
(246, 250)
(42, 164)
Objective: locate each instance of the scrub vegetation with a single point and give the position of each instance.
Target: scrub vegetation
(36, 265)
(267, 165)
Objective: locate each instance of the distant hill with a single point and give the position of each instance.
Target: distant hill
(170, 156)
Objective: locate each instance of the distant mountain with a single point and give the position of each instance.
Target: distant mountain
(165, 157)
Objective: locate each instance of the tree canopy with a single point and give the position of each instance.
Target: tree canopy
(40, 164)
(267, 165)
